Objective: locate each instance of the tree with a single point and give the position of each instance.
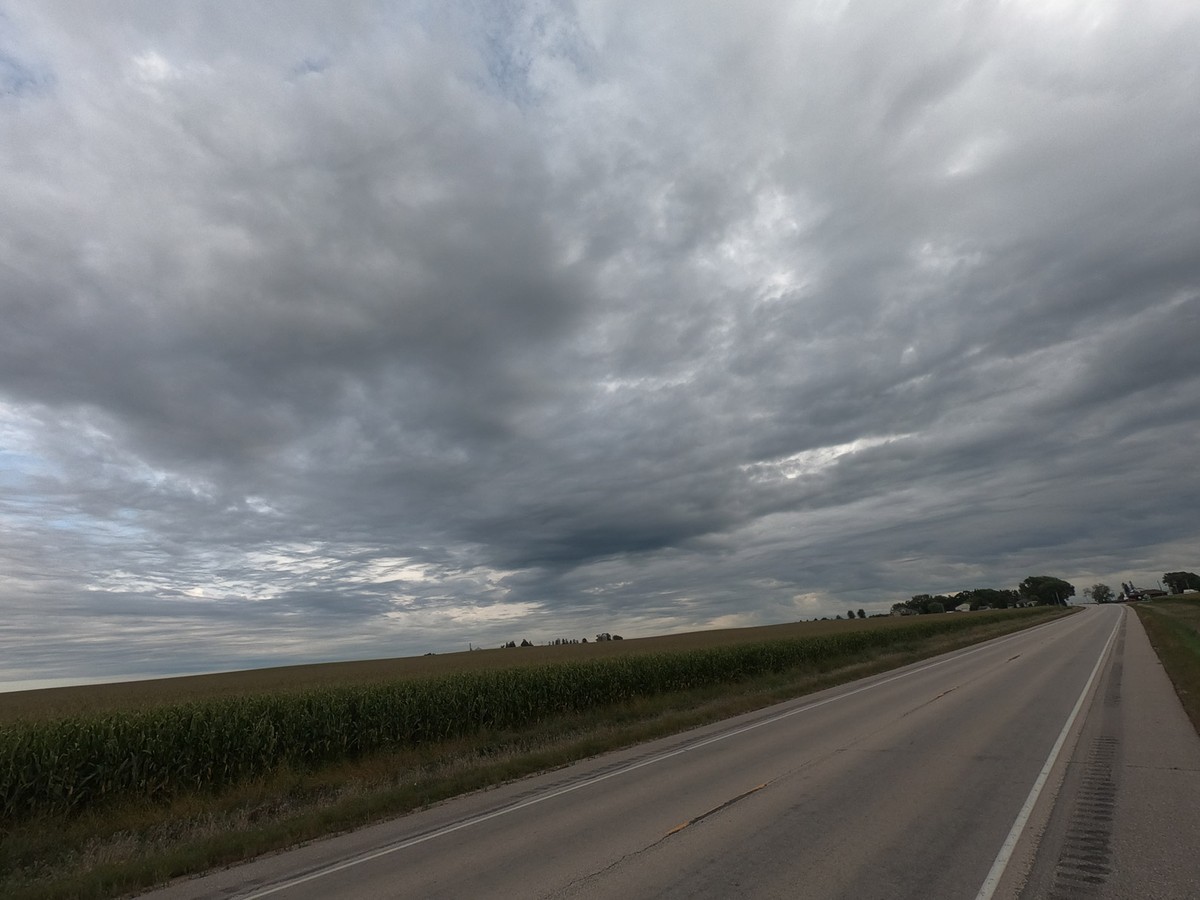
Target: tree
(1046, 590)
(920, 603)
(1101, 593)
(936, 607)
(988, 598)
(862, 614)
(1178, 582)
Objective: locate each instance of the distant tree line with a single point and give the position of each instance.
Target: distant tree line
(1036, 590)
(1178, 582)
(557, 642)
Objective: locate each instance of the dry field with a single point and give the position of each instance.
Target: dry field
(65, 701)
(112, 788)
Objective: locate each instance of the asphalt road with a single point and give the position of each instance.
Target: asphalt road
(1052, 763)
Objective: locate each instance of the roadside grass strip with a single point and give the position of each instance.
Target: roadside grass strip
(1173, 626)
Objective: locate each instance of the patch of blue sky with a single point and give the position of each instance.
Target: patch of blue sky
(19, 77)
(22, 498)
(71, 522)
(18, 469)
(508, 62)
(32, 515)
(122, 524)
(13, 459)
(311, 65)
(511, 36)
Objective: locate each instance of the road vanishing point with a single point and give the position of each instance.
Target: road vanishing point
(1052, 763)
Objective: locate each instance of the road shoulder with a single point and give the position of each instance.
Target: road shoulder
(1123, 822)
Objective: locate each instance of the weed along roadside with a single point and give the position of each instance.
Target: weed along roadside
(101, 804)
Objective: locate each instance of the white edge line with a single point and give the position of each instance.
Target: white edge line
(988, 888)
(624, 770)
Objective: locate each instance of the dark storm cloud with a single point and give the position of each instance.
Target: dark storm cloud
(345, 334)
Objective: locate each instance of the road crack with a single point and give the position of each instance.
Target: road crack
(711, 812)
(670, 834)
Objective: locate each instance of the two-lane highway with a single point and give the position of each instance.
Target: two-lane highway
(936, 780)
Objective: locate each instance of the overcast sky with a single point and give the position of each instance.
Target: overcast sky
(344, 330)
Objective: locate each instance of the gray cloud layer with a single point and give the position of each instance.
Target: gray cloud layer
(336, 333)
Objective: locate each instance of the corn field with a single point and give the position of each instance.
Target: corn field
(71, 764)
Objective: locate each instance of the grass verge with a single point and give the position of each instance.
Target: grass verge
(123, 848)
(1173, 626)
